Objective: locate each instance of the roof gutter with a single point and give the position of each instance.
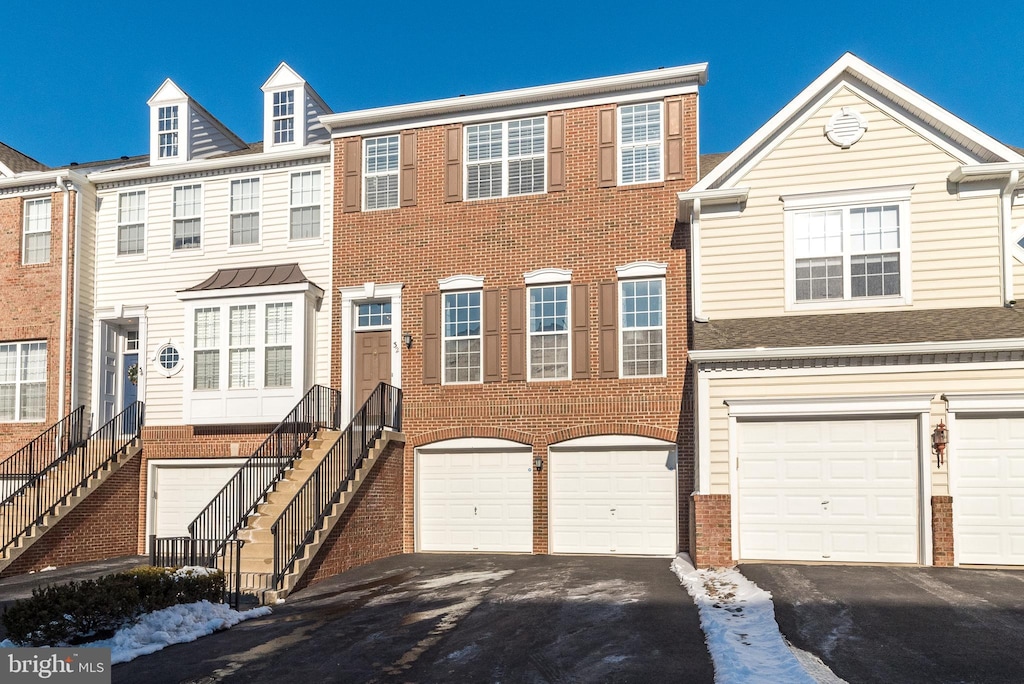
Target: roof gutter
(310, 151)
(764, 353)
(33, 178)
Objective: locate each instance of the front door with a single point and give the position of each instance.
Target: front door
(372, 364)
(108, 374)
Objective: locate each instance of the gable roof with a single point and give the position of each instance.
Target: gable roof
(976, 146)
(12, 161)
(170, 91)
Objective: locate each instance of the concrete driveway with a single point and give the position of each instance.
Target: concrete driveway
(902, 624)
(460, 618)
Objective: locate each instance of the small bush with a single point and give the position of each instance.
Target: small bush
(80, 611)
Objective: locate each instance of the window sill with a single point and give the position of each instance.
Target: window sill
(241, 249)
(859, 303)
(640, 186)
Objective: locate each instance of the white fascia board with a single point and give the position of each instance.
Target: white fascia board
(907, 404)
(34, 178)
(232, 292)
(980, 172)
(708, 197)
(690, 75)
(755, 353)
(255, 159)
(984, 402)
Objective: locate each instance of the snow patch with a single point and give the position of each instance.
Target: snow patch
(464, 578)
(48, 568)
(463, 654)
(190, 570)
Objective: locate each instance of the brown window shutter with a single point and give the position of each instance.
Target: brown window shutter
(492, 336)
(674, 167)
(453, 164)
(608, 341)
(432, 338)
(580, 332)
(606, 148)
(407, 184)
(517, 333)
(353, 164)
(556, 152)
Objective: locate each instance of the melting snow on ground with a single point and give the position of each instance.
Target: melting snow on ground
(175, 625)
(738, 619)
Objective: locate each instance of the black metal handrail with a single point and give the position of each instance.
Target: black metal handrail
(227, 513)
(53, 444)
(217, 554)
(48, 488)
(305, 513)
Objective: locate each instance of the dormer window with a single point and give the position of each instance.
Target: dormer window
(167, 123)
(284, 117)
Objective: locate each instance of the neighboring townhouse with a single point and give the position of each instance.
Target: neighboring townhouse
(857, 344)
(212, 303)
(512, 261)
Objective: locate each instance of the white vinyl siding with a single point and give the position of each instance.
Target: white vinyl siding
(380, 172)
(284, 117)
(245, 211)
(642, 306)
(167, 126)
(131, 222)
(304, 203)
(462, 337)
(548, 332)
(22, 381)
(188, 217)
(36, 242)
(641, 143)
(505, 158)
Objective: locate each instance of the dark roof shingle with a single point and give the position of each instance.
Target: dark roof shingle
(18, 162)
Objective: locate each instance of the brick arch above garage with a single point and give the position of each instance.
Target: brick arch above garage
(470, 431)
(602, 429)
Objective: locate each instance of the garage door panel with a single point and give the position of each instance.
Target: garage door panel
(182, 492)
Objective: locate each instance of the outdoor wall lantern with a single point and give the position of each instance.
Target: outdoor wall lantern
(538, 464)
(407, 340)
(940, 438)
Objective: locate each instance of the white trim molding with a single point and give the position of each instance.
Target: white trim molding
(985, 402)
(958, 346)
(641, 269)
(350, 298)
(792, 407)
(834, 198)
(460, 282)
(546, 275)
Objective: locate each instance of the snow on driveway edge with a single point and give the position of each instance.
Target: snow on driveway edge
(738, 619)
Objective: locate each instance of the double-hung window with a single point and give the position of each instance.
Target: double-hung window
(188, 208)
(131, 222)
(505, 158)
(380, 172)
(462, 336)
(277, 362)
(642, 326)
(207, 349)
(245, 211)
(305, 205)
(641, 143)
(23, 381)
(848, 253)
(36, 243)
(284, 117)
(548, 332)
(167, 132)
(242, 346)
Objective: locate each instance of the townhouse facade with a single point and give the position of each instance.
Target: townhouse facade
(512, 262)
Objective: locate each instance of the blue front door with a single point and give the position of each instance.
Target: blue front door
(131, 390)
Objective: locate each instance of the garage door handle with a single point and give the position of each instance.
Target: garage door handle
(474, 510)
(824, 503)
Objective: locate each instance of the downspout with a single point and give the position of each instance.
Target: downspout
(1006, 233)
(66, 250)
(698, 310)
(75, 298)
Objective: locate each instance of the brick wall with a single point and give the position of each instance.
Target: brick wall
(104, 525)
(712, 521)
(587, 229)
(942, 531)
(30, 308)
(371, 527)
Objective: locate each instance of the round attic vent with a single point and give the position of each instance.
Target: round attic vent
(845, 127)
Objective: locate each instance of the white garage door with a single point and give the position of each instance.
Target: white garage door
(989, 497)
(618, 499)
(475, 495)
(829, 490)
(181, 492)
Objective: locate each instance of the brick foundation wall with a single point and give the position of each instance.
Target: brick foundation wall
(942, 531)
(712, 523)
(104, 525)
(371, 527)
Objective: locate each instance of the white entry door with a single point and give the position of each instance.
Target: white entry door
(988, 499)
(475, 495)
(829, 490)
(618, 498)
(180, 493)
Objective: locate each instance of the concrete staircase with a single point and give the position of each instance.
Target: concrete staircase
(20, 513)
(257, 554)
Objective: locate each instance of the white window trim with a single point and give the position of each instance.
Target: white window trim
(568, 329)
(618, 144)
(445, 338)
(844, 200)
(145, 226)
(320, 227)
(155, 359)
(350, 297)
(504, 159)
(657, 272)
(461, 282)
(202, 237)
(25, 232)
(397, 173)
(249, 246)
(18, 382)
(547, 275)
(296, 108)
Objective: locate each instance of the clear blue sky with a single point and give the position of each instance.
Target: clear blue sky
(75, 76)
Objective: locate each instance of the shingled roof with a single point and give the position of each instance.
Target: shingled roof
(883, 327)
(260, 276)
(18, 162)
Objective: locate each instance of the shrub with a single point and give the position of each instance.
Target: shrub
(90, 609)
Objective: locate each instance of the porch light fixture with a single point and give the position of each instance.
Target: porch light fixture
(407, 340)
(940, 438)
(538, 464)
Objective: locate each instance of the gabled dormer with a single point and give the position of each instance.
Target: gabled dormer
(291, 111)
(181, 130)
